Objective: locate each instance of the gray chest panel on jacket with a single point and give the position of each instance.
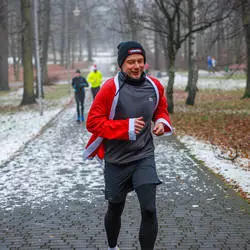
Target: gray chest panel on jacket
(134, 101)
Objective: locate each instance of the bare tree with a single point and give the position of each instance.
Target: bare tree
(129, 7)
(127, 19)
(4, 84)
(170, 25)
(28, 77)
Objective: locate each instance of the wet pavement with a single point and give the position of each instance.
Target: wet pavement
(51, 199)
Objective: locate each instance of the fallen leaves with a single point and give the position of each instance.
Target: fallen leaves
(218, 117)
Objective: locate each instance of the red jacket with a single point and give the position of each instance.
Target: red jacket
(100, 117)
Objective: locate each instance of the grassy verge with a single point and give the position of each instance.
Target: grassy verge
(219, 117)
(10, 100)
(227, 76)
(57, 91)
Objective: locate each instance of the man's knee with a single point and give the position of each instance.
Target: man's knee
(146, 194)
(149, 210)
(115, 209)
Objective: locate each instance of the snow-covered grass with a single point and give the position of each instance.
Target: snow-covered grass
(231, 172)
(207, 80)
(21, 126)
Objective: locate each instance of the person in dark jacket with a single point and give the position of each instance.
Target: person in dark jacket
(79, 83)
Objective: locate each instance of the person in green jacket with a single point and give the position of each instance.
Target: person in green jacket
(94, 78)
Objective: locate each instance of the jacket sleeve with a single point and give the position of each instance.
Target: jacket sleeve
(89, 77)
(73, 83)
(98, 122)
(161, 113)
(84, 82)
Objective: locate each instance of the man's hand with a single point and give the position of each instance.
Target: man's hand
(139, 125)
(159, 129)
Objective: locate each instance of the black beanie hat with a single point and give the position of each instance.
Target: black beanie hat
(129, 48)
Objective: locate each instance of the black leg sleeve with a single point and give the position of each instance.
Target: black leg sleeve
(113, 222)
(82, 103)
(149, 226)
(77, 105)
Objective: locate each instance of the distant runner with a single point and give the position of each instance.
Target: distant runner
(94, 79)
(79, 83)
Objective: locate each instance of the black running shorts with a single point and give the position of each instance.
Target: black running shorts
(121, 179)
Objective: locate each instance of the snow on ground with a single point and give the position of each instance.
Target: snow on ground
(207, 81)
(18, 128)
(233, 173)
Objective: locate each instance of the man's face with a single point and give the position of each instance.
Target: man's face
(78, 74)
(133, 66)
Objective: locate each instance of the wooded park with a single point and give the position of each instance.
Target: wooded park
(178, 36)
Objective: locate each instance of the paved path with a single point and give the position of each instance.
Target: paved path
(51, 199)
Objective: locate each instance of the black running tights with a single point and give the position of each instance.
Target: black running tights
(79, 97)
(149, 226)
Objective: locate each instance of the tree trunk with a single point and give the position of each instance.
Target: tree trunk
(52, 40)
(17, 55)
(190, 63)
(190, 42)
(170, 56)
(192, 66)
(63, 28)
(246, 23)
(89, 38)
(134, 29)
(15, 43)
(28, 77)
(89, 46)
(192, 88)
(16, 65)
(157, 51)
(4, 81)
(44, 19)
(170, 87)
(73, 47)
(80, 58)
